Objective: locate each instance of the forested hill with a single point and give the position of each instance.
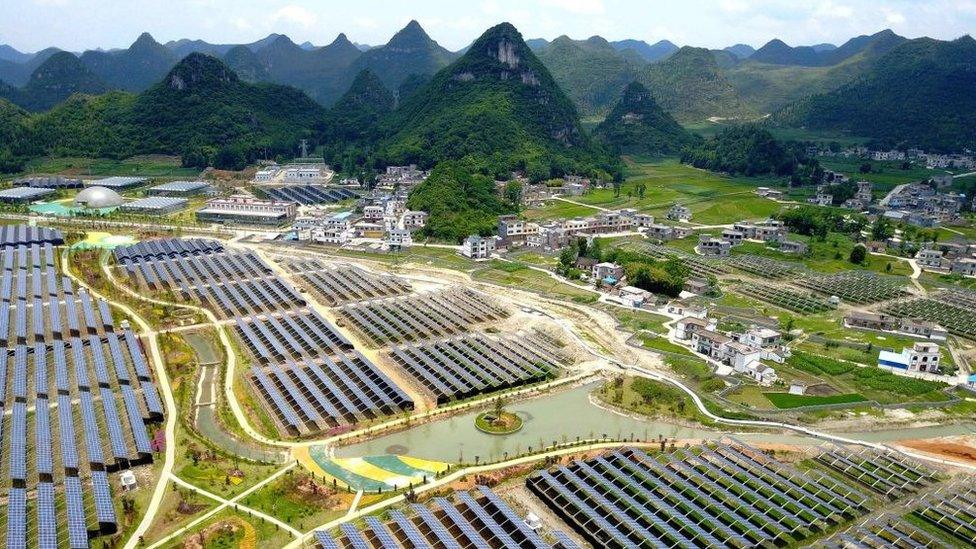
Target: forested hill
(692, 87)
(496, 107)
(201, 110)
(638, 125)
(919, 94)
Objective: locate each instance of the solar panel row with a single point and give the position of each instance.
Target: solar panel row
(310, 194)
(421, 316)
(725, 495)
(468, 365)
(480, 520)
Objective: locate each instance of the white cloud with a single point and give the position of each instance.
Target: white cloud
(893, 17)
(584, 7)
(734, 6)
(51, 3)
(365, 22)
(295, 15)
(243, 24)
(833, 10)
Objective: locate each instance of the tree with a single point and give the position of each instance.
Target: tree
(865, 168)
(882, 229)
(513, 193)
(858, 254)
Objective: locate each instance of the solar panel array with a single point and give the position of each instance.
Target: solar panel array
(304, 370)
(230, 283)
(951, 510)
(422, 315)
(725, 495)
(886, 531)
(77, 393)
(887, 473)
(339, 284)
(310, 194)
(25, 235)
(460, 367)
(479, 519)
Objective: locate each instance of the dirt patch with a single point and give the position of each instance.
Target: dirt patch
(821, 389)
(956, 449)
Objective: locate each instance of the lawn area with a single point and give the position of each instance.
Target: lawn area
(648, 397)
(518, 275)
(828, 256)
(300, 500)
(635, 320)
(662, 344)
(786, 400)
(147, 166)
(884, 175)
(560, 209)
(713, 198)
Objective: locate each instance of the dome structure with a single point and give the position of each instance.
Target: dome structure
(98, 197)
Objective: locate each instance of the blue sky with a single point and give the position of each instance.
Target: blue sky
(82, 24)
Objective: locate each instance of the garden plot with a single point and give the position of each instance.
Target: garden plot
(958, 319)
(856, 286)
(765, 267)
(785, 298)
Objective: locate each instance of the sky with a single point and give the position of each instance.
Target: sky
(76, 25)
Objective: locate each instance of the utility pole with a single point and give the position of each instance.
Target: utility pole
(304, 148)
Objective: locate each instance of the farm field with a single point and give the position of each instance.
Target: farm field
(147, 166)
(713, 198)
(884, 175)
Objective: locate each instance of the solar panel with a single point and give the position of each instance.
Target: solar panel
(42, 437)
(104, 508)
(47, 526)
(409, 530)
(135, 420)
(436, 527)
(462, 523)
(75, 511)
(17, 518)
(18, 442)
(66, 433)
(354, 537)
(382, 533)
(325, 540)
(93, 441)
(119, 448)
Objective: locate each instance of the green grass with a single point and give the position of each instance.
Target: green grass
(519, 276)
(828, 256)
(662, 344)
(713, 198)
(787, 400)
(884, 175)
(635, 320)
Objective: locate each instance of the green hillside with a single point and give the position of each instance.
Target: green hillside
(919, 94)
(410, 52)
(59, 77)
(638, 125)
(143, 64)
(591, 72)
(497, 107)
(200, 110)
(692, 87)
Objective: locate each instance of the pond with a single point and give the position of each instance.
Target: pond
(562, 417)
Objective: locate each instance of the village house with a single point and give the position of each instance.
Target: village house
(611, 273)
(710, 246)
(965, 266)
(733, 237)
(684, 328)
(478, 247)
(677, 307)
(678, 212)
(921, 357)
(794, 247)
(413, 219)
(665, 233)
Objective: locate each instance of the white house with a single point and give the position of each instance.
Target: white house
(478, 247)
(921, 357)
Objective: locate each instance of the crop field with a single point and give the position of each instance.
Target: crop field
(765, 267)
(860, 287)
(951, 510)
(713, 198)
(784, 297)
(886, 473)
(787, 400)
(884, 175)
(956, 315)
(698, 266)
